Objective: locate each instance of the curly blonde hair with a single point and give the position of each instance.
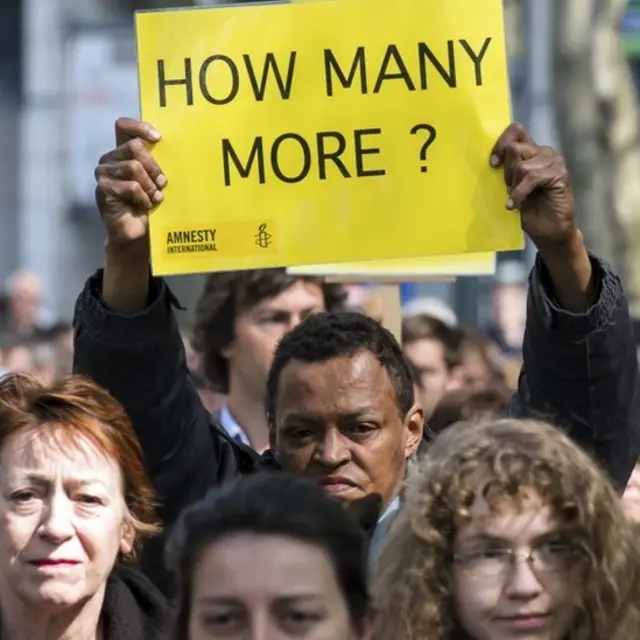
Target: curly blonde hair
(413, 585)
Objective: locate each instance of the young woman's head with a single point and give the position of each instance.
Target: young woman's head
(509, 530)
(270, 556)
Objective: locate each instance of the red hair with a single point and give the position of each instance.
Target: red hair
(75, 409)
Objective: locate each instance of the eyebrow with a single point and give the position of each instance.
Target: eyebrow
(488, 536)
(230, 601)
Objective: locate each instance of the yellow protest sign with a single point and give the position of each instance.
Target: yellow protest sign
(322, 132)
(466, 264)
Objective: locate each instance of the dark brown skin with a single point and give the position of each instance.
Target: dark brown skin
(130, 185)
(340, 419)
(539, 188)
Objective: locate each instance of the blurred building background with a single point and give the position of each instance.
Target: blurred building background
(67, 70)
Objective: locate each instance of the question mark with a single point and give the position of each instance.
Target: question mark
(423, 150)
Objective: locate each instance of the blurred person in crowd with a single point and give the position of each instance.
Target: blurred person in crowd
(75, 505)
(270, 556)
(340, 405)
(482, 363)
(24, 313)
(17, 354)
(436, 350)
(470, 404)
(240, 318)
(43, 356)
(509, 297)
(509, 530)
(61, 336)
(432, 307)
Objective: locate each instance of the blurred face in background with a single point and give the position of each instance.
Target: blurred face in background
(510, 312)
(428, 356)
(25, 300)
(268, 587)
(259, 328)
(18, 359)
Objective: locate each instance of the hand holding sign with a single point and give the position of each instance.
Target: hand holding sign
(130, 183)
(539, 187)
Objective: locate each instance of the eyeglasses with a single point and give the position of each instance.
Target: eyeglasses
(500, 561)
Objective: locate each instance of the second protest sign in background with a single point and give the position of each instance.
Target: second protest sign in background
(325, 132)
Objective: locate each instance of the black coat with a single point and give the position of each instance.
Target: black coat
(580, 371)
(133, 608)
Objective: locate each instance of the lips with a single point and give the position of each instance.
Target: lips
(526, 621)
(338, 484)
(54, 563)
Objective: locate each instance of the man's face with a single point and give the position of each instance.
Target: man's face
(258, 330)
(429, 357)
(338, 422)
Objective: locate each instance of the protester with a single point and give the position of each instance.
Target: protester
(340, 392)
(436, 350)
(75, 505)
(482, 363)
(240, 317)
(509, 530)
(270, 556)
(24, 313)
(470, 404)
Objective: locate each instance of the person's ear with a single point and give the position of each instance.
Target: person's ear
(414, 429)
(128, 538)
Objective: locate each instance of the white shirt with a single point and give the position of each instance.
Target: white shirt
(231, 426)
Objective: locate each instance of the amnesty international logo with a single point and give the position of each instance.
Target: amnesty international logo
(263, 237)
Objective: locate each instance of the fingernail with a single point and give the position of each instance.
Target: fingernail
(510, 204)
(158, 196)
(494, 161)
(161, 181)
(154, 135)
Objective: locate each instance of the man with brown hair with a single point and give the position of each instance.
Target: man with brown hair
(240, 318)
(435, 350)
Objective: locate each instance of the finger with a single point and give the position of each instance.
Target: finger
(136, 150)
(130, 192)
(128, 129)
(521, 167)
(513, 134)
(531, 181)
(514, 154)
(131, 170)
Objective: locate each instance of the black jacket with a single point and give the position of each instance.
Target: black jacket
(133, 608)
(580, 371)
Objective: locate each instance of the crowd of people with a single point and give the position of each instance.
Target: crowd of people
(288, 469)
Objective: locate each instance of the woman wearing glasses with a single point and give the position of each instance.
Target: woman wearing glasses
(509, 531)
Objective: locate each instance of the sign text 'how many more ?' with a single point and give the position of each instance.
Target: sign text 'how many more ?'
(317, 132)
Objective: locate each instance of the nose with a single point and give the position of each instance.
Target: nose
(56, 524)
(332, 450)
(523, 581)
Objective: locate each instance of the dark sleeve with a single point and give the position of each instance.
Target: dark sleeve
(140, 359)
(580, 371)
